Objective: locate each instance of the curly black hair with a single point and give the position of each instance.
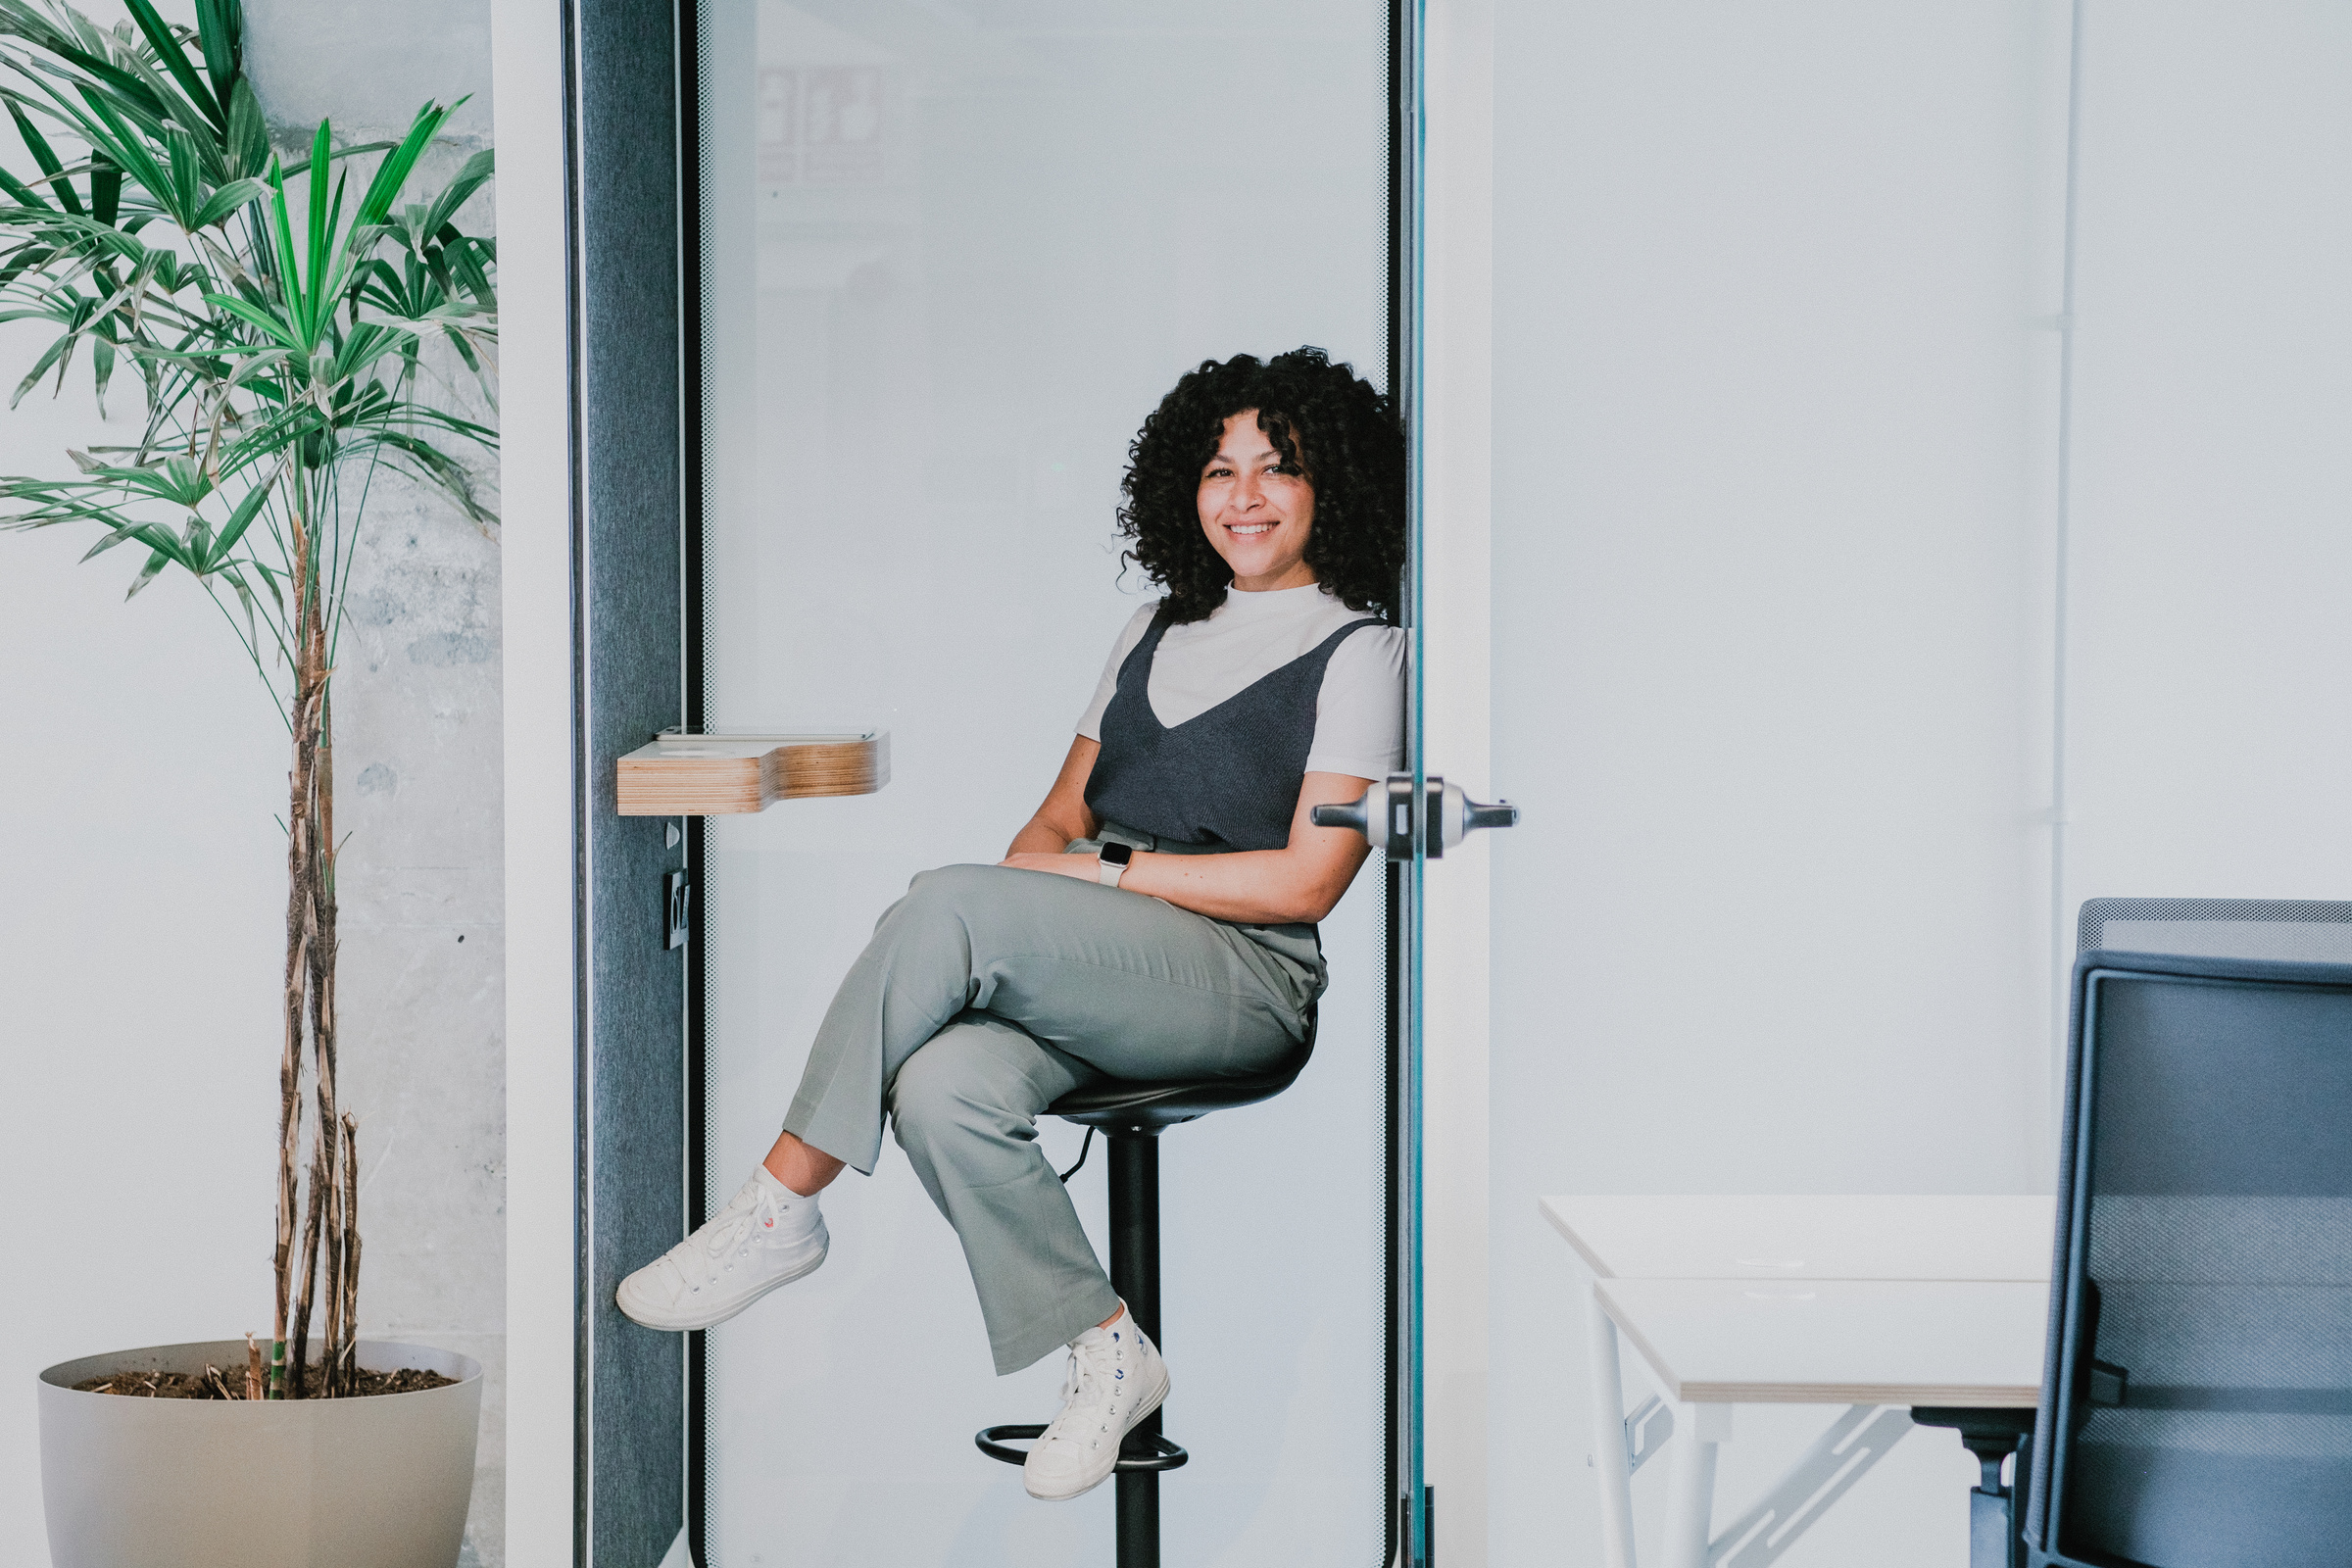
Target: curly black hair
(1344, 435)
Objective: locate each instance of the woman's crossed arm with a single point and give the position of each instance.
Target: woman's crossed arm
(1299, 882)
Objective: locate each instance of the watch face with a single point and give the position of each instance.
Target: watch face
(1117, 853)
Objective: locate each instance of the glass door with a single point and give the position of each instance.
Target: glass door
(1778, 323)
(951, 256)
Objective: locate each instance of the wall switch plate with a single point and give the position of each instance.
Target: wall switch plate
(677, 908)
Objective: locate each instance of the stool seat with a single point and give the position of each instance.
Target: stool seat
(1139, 1109)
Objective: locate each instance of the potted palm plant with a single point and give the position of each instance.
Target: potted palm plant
(297, 331)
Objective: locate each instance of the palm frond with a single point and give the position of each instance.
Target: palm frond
(278, 311)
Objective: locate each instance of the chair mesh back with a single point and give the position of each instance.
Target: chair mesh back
(2218, 928)
(2204, 1396)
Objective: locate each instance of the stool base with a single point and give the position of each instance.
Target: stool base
(1160, 1454)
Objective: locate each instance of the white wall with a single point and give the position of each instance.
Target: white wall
(143, 934)
(142, 937)
(542, 1184)
(2210, 684)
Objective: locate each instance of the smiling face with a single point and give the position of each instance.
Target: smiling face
(1256, 508)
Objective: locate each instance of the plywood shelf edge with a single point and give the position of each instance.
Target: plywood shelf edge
(728, 772)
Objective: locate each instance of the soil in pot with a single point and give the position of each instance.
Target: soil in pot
(216, 1384)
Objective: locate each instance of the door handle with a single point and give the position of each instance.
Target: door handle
(1385, 817)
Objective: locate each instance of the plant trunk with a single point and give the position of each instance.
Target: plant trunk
(346, 1338)
(327, 1162)
(330, 1221)
(298, 1384)
(301, 916)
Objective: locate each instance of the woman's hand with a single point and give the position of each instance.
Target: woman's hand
(1082, 866)
(1299, 882)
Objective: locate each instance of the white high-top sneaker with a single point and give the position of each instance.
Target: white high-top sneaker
(768, 1236)
(1115, 1379)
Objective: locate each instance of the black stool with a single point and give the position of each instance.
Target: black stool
(1131, 1115)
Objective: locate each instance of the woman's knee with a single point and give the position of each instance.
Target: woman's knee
(925, 1091)
(952, 884)
(955, 1084)
(946, 895)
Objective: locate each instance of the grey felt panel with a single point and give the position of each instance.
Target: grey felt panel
(625, 151)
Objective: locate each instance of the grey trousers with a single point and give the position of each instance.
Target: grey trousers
(988, 993)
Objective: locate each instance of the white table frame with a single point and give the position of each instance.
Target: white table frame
(1852, 1444)
(1857, 1440)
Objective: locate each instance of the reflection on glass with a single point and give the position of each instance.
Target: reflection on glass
(951, 258)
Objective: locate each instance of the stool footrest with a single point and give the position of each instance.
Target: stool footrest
(1161, 1456)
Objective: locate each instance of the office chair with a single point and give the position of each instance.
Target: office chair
(2196, 1405)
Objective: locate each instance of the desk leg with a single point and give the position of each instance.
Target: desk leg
(1690, 1488)
(1610, 1460)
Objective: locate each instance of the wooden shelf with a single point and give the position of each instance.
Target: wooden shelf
(719, 772)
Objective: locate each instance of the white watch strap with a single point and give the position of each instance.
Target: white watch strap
(1106, 873)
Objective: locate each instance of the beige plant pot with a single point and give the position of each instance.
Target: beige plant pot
(374, 1483)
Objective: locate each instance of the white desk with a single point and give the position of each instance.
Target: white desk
(1879, 1303)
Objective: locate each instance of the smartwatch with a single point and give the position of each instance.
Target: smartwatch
(1111, 863)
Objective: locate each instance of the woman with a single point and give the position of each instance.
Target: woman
(1154, 920)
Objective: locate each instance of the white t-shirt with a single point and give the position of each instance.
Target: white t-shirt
(1359, 715)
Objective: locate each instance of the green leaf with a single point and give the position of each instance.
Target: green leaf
(98, 236)
(57, 352)
(393, 172)
(253, 632)
(22, 192)
(197, 538)
(282, 243)
(476, 171)
(105, 191)
(156, 563)
(221, 28)
(248, 139)
(128, 150)
(175, 60)
(226, 202)
(113, 539)
(315, 223)
(138, 97)
(270, 581)
(38, 145)
(240, 519)
(284, 332)
(102, 366)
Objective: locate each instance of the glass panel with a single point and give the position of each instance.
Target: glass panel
(1775, 388)
(953, 254)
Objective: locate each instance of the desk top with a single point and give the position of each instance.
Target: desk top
(1836, 1341)
(1746, 1237)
